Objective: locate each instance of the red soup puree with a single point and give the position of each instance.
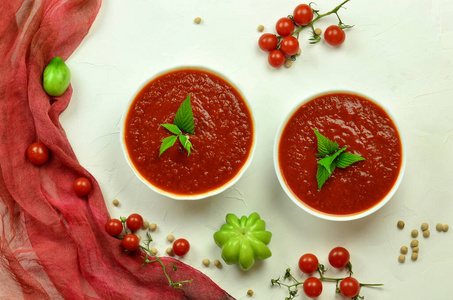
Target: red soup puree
(222, 139)
(356, 123)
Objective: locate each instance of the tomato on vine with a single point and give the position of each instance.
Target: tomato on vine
(276, 58)
(268, 42)
(308, 263)
(312, 287)
(303, 14)
(82, 186)
(334, 35)
(339, 257)
(181, 247)
(289, 45)
(284, 26)
(349, 287)
(131, 242)
(38, 153)
(134, 222)
(114, 227)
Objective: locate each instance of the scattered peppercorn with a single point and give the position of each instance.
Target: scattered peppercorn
(169, 251)
(154, 251)
(403, 250)
(424, 226)
(260, 28)
(250, 293)
(439, 227)
(414, 256)
(299, 51)
(445, 228)
(115, 202)
(152, 226)
(217, 263)
(414, 243)
(206, 262)
(145, 225)
(415, 249)
(402, 258)
(197, 20)
(170, 238)
(414, 233)
(139, 236)
(318, 31)
(400, 224)
(288, 64)
(426, 233)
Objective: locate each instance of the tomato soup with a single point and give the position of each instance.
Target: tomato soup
(353, 122)
(222, 140)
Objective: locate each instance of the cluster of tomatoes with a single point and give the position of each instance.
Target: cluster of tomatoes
(131, 241)
(285, 45)
(338, 258)
(38, 154)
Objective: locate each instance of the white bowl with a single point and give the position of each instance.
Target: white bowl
(194, 196)
(299, 202)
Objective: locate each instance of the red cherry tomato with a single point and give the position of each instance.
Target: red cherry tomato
(284, 26)
(276, 58)
(349, 287)
(289, 45)
(339, 257)
(308, 263)
(134, 222)
(334, 35)
(181, 247)
(312, 287)
(82, 186)
(114, 227)
(131, 242)
(268, 42)
(303, 14)
(38, 153)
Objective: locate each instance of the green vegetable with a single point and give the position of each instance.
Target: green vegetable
(331, 158)
(183, 122)
(56, 77)
(243, 240)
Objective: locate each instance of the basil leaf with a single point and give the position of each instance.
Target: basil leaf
(323, 174)
(184, 117)
(172, 128)
(325, 146)
(186, 143)
(347, 159)
(167, 143)
(327, 161)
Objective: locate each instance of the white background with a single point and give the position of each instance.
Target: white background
(399, 52)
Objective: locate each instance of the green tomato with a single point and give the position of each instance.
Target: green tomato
(243, 240)
(56, 77)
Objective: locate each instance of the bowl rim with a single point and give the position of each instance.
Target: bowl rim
(163, 192)
(320, 214)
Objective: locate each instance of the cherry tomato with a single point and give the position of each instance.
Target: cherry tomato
(334, 35)
(339, 257)
(38, 153)
(284, 26)
(289, 45)
(268, 42)
(134, 222)
(131, 242)
(349, 287)
(114, 227)
(276, 58)
(82, 186)
(308, 263)
(303, 14)
(312, 287)
(181, 247)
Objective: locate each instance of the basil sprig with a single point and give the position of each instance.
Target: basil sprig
(183, 122)
(331, 157)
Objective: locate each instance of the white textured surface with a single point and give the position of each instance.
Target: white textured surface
(399, 52)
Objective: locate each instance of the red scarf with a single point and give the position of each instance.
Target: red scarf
(53, 243)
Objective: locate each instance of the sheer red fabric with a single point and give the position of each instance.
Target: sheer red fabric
(53, 244)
